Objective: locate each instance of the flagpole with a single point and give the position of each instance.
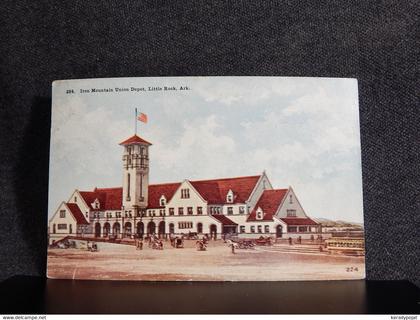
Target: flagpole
(135, 122)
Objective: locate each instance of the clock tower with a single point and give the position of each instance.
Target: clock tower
(135, 172)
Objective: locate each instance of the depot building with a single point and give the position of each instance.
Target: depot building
(248, 206)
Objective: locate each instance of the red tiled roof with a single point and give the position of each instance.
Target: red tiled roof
(224, 220)
(109, 198)
(269, 202)
(215, 191)
(157, 190)
(89, 197)
(77, 213)
(299, 221)
(135, 140)
(112, 197)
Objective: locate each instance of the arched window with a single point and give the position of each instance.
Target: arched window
(229, 196)
(162, 201)
(128, 186)
(290, 199)
(259, 214)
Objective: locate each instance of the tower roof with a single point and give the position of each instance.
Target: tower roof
(134, 140)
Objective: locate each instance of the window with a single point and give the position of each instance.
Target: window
(303, 229)
(171, 211)
(75, 199)
(291, 213)
(190, 210)
(259, 215)
(62, 226)
(185, 225)
(252, 229)
(230, 210)
(128, 187)
(211, 210)
(241, 210)
(291, 229)
(242, 229)
(291, 199)
(267, 229)
(181, 211)
(229, 196)
(162, 201)
(62, 213)
(218, 210)
(259, 229)
(199, 210)
(185, 193)
(161, 213)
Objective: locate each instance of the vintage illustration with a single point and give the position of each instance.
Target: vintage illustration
(205, 178)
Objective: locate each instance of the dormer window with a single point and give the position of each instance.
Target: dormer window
(229, 196)
(96, 204)
(162, 201)
(259, 214)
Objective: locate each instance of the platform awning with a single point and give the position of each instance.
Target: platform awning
(224, 220)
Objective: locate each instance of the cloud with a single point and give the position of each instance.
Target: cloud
(201, 143)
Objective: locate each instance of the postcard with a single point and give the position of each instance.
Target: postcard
(205, 179)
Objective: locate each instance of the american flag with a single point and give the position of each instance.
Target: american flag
(142, 117)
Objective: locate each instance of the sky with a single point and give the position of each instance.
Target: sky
(304, 132)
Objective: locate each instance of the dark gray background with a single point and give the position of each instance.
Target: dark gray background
(374, 41)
